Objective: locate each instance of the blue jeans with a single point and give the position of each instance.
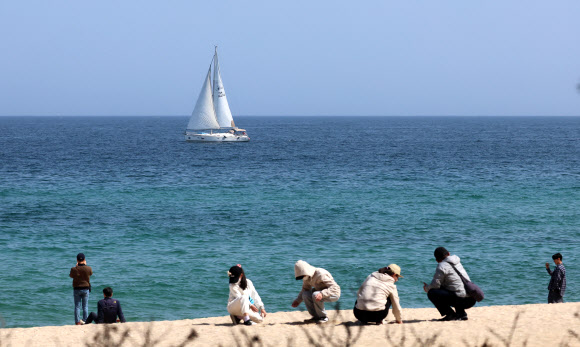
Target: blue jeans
(81, 296)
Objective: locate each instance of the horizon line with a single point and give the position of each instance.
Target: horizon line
(285, 115)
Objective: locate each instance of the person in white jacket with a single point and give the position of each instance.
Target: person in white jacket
(318, 287)
(244, 303)
(376, 295)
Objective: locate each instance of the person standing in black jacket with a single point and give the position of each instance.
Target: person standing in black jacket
(108, 310)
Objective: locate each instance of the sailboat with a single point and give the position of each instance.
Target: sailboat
(211, 119)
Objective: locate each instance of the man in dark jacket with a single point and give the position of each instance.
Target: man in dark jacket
(108, 310)
(81, 275)
(446, 290)
(557, 285)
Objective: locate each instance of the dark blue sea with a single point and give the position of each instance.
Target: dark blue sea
(161, 220)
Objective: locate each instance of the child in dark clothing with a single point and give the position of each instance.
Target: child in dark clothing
(557, 285)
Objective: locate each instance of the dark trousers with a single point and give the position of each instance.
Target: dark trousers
(444, 299)
(372, 316)
(91, 318)
(554, 297)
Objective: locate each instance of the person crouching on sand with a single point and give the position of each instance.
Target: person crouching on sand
(446, 289)
(376, 295)
(318, 287)
(244, 303)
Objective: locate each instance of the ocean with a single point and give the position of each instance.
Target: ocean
(161, 220)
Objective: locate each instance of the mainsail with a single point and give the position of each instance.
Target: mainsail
(203, 115)
(220, 101)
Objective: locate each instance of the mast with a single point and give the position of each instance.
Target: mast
(215, 68)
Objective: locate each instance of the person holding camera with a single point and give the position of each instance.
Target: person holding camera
(81, 275)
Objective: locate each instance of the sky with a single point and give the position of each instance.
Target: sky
(380, 57)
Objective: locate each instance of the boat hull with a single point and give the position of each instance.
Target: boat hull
(216, 137)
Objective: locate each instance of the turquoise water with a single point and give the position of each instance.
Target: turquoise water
(161, 220)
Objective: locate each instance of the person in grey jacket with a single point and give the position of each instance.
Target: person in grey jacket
(446, 290)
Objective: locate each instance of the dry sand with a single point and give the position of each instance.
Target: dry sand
(536, 325)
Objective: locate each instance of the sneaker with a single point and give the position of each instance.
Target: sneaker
(322, 320)
(256, 317)
(447, 318)
(80, 322)
(311, 320)
(461, 317)
(249, 322)
(235, 319)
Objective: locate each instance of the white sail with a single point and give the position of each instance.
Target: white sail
(220, 101)
(203, 115)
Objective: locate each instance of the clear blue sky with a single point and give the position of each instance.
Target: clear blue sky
(380, 57)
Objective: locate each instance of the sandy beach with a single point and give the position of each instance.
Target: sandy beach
(532, 325)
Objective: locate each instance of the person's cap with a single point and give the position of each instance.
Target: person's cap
(396, 269)
(80, 257)
(234, 273)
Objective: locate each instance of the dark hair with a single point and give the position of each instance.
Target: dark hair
(440, 253)
(385, 270)
(557, 256)
(108, 292)
(237, 274)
